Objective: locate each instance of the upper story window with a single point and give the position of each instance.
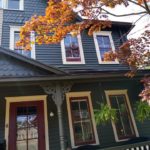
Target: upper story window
(125, 127)
(12, 4)
(0, 3)
(14, 37)
(103, 43)
(81, 119)
(72, 50)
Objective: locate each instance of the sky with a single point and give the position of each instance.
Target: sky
(139, 26)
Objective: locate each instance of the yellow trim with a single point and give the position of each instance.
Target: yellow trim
(115, 92)
(80, 94)
(24, 99)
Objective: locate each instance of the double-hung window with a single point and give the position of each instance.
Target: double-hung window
(81, 119)
(103, 43)
(72, 50)
(124, 127)
(12, 4)
(1, 4)
(14, 37)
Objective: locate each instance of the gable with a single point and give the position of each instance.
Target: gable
(13, 65)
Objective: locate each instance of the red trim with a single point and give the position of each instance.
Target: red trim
(87, 100)
(73, 59)
(12, 123)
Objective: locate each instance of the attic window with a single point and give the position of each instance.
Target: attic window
(0, 3)
(12, 4)
(72, 51)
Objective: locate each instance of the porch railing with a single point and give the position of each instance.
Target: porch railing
(135, 146)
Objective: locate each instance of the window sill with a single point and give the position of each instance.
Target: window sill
(12, 9)
(109, 63)
(73, 62)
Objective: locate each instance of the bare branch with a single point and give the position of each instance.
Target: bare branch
(123, 15)
(146, 6)
(137, 4)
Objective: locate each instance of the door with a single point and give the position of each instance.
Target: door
(26, 126)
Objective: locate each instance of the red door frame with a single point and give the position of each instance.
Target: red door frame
(12, 123)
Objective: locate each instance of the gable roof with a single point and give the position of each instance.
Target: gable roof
(15, 65)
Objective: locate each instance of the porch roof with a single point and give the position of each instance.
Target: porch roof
(14, 65)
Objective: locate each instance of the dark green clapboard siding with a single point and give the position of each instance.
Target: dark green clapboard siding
(51, 54)
(2, 118)
(105, 132)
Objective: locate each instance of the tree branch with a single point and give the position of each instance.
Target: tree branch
(123, 15)
(137, 4)
(146, 6)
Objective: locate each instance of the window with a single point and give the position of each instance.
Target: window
(72, 51)
(0, 3)
(81, 119)
(103, 43)
(124, 127)
(12, 4)
(14, 37)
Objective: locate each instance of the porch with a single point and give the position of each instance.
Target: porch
(59, 136)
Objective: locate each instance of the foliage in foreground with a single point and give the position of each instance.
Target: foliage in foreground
(105, 114)
(142, 111)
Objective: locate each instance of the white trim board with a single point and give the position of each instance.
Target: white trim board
(124, 92)
(80, 94)
(24, 99)
(105, 33)
(11, 40)
(5, 5)
(63, 52)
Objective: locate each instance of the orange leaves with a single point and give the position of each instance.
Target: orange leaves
(110, 56)
(59, 19)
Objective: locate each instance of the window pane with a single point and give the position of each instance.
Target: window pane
(78, 133)
(13, 4)
(33, 144)
(75, 111)
(124, 124)
(84, 110)
(71, 47)
(19, 49)
(27, 128)
(104, 45)
(21, 145)
(81, 121)
(87, 131)
(0, 3)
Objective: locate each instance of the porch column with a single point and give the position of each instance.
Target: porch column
(58, 93)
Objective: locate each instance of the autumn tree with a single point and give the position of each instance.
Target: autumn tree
(59, 19)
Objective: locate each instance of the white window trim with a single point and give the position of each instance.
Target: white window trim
(80, 94)
(63, 52)
(105, 33)
(5, 5)
(10, 100)
(11, 42)
(117, 92)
